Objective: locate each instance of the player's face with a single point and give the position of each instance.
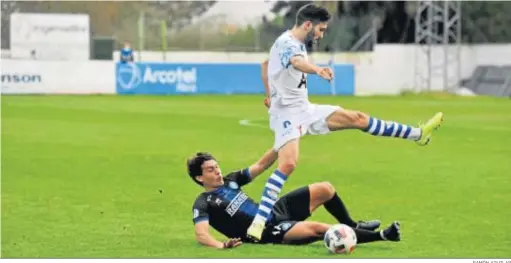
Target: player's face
(211, 174)
(319, 30)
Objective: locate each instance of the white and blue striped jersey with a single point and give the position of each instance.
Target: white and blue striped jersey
(288, 86)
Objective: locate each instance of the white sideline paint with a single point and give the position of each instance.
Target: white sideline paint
(249, 123)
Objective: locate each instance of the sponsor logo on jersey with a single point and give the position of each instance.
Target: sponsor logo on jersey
(236, 203)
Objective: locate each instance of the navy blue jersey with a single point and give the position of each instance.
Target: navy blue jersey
(229, 210)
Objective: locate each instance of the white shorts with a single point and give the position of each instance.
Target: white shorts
(292, 126)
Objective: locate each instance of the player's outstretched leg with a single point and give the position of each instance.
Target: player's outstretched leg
(336, 207)
(391, 233)
(306, 232)
(347, 119)
(325, 194)
(288, 156)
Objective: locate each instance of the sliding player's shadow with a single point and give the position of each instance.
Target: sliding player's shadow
(369, 247)
(322, 251)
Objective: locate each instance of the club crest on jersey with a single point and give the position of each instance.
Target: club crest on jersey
(233, 185)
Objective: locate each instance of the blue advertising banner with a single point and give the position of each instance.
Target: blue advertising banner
(227, 78)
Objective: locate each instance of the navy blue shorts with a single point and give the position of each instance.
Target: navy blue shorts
(289, 210)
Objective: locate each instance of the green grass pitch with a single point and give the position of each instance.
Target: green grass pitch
(104, 176)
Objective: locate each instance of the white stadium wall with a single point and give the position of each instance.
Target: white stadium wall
(57, 77)
(388, 70)
(393, 66)
(45, 36)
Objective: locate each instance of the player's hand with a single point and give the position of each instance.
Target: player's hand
(325, 73)
(232, 243)
(267, 102)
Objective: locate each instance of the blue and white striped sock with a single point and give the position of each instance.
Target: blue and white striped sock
(392, 129)
(270, 195)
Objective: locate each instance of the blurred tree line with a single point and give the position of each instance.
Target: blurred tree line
(482, 22)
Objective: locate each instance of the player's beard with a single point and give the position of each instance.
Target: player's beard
(310, 37)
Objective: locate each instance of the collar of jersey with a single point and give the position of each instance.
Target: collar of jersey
(219, 189)
(293, 38)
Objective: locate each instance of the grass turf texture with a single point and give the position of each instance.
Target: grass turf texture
(104, 176)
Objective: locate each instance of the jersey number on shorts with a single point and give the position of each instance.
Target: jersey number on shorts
(303, 82)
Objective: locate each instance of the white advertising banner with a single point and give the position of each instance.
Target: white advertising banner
(57, 77)
(50, 36)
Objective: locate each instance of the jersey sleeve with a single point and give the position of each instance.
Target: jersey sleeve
(241, 177)
(200, 210)
(289, 50)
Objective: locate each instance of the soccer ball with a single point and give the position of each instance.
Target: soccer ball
(340, 239)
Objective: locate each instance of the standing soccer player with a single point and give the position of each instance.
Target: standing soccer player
(293, 116)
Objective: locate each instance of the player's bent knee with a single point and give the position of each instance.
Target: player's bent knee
(320, 193)
(362, 120)
(328, 188)
(357, 119)
(347, 119)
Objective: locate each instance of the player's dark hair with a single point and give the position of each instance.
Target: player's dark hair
(194, 164)
(311, 12)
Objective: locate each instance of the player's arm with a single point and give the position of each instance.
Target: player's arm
(201, 222)
(300, 63)
(294, 55)
(264, 76)
(245, 176)
(263, 164)
(303, 65)
(203, 236)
